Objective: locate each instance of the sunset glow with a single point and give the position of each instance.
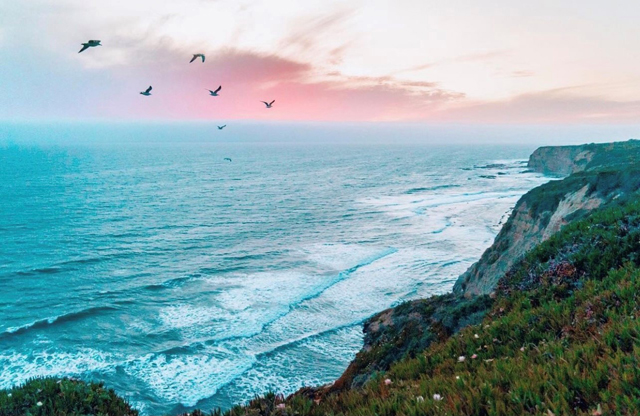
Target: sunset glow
(504, 62)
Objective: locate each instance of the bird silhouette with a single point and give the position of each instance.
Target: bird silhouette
(227, 158)
(221, 127)
(147, 92)
(269, 105)
(196, 56)
(90, 44)
(215, 93)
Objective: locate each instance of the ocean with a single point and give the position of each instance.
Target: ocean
(181, 279)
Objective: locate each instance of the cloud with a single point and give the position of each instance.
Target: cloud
(562, 105)
(475, 57)
(249, 77)
(312, 33)
(521, 74)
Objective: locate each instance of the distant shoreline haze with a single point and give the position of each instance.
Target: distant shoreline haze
(55, 132)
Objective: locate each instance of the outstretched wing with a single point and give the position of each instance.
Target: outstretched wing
(84, 47)
(202, 56)
(272, 102)
(193, 59)
(223, 126)
(265, 103)
(149, 89)
(218, 90)
(94, 41)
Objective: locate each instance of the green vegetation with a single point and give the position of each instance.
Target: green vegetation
(613, 155)
(605, 182)
(63, 397)
(408, 329)
(561, 338)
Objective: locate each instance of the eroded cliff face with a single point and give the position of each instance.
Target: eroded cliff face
(526, 228)
(561, 160)
(598, 174)
(566, 160)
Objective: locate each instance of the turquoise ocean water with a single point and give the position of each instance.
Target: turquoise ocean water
(181, 279)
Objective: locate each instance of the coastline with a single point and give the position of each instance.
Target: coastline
(399, 335)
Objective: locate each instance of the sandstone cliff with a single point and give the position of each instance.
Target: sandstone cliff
(595, 179)
(565, 160)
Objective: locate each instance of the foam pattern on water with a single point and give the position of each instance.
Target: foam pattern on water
(182, 281)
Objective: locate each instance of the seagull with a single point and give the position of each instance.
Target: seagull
(227, 158)
(89, 44)
(221, 127)
(197, 55)
(215, 93)
(268, 104)
(148, 91)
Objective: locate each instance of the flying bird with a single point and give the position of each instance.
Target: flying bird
(148, 91)
(221, 127)
(89, 44)
(268, 104)
(196, 56)
(215, 93)
(227, 158)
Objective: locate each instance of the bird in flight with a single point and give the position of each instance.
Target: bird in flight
(227, 158)
(196, 56)
(221, 127)
(147, 92)
(89, 44)
(215, 93)
(269, 105)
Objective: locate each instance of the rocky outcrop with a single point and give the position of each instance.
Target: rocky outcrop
(526, 228)
(401, 332)
(543, 211)
(566, 160)
(560, 160)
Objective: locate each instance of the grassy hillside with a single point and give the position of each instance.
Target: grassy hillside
(565, 160)
(562, 337)
(65, 397)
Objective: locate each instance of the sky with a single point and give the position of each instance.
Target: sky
(459, 61)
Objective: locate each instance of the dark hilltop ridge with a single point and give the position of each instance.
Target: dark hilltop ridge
(545, 323)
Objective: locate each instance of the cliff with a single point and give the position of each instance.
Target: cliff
(566, 160)
(598, 173)
(540, 214)
(561, 335)
(609, 174)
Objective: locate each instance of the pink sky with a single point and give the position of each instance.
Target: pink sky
(323, 61)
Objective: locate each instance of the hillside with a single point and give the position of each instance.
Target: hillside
(560, 336)
(566, 160)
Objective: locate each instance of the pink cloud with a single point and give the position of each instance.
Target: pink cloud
(563, 105)
(248, 78)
